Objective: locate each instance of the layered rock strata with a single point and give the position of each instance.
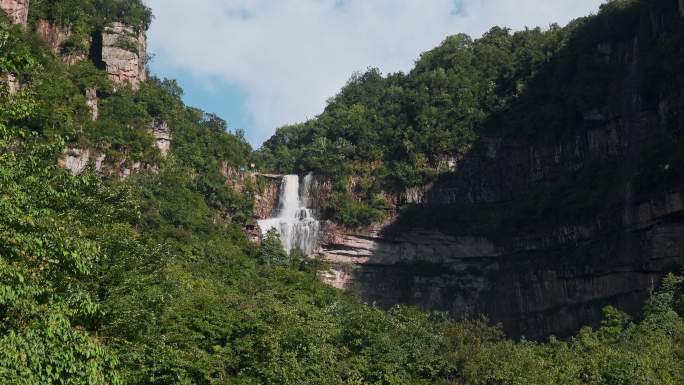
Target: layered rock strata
(124, 54)
(475, 242)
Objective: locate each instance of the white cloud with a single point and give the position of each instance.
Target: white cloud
(291, 55)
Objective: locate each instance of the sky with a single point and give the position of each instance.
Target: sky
(262, 64)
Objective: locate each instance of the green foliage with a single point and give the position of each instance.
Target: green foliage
(127, 43)
(532, 87)
(16, 56)
(85, 16)
(45, 307)
(352, 213)
(271, 252)
(150, 280)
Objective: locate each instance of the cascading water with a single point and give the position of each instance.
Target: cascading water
(294, 222)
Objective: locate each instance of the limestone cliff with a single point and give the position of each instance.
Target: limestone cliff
(537, 234)
(124, 54)
(76, 160)
(92, 101)
(545, 278)
(17, 10)
(56, 36)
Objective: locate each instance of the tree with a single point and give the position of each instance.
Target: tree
(271, 252)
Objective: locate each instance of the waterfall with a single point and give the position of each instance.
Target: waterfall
(294, 221)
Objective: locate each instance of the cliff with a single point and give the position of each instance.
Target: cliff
(124, 54)
(468, 246)
(56, 36)
(76, 160)
(539, 232)
(121, 51)
(17, 10)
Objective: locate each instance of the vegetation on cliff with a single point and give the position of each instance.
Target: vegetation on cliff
(150, 279)
(401, 130)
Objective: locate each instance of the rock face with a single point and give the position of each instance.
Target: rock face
(17, 10)
(266, 198)
(264, 188)
(76, 160)
(92, 102)
(55, 36)
(536, 275)
(162, 136)
(12, 83)
(551, 283)
(124, 54)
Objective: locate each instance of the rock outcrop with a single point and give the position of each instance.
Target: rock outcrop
(162, 136)
(13, 85)
(92, 101)
(124, 54)
(266, 197)
(76, 160)
(56, 36)
(264, 188)
(17, 10)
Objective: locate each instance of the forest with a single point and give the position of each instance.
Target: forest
(151, 279)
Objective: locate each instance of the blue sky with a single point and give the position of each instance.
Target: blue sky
(212, 95)
(261, 64)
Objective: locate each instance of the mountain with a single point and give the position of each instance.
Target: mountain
(126, 218)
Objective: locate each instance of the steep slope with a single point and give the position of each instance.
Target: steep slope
(538, 176)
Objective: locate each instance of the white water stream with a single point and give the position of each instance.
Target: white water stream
(294, 221)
